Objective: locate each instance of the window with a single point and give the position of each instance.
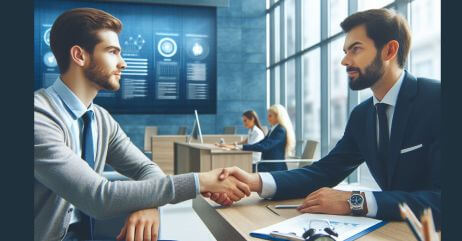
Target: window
(289, 16)
(290, 90)
(338, 10)
(277, 35)
(338, 94)
(311, 22)
(277, 85)
(311, 74)
(368, 4)
(267, 40)
(425, 57)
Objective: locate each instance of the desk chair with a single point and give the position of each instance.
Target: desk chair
(304, 160)
(148, 132)
(182, 130)
(308, 152)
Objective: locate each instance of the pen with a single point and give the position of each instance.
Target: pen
(413, 226)
(287, 206)
(267, 206)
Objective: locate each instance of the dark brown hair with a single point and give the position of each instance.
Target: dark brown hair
(79, 26)
(251, 114)
(382, 25)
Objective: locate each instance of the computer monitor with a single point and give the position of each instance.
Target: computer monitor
(196, 130)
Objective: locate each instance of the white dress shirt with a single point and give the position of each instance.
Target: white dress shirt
(269, 184)
(255, 135)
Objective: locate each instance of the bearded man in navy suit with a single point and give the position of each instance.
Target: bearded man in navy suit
(396, 132)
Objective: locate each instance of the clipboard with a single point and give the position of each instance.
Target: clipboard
(348, 227)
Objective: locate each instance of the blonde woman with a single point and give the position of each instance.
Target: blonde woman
(278, 144)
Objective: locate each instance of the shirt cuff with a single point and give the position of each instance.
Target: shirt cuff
(268, 188)
(239, 147)
(196, 181)
(371, 204)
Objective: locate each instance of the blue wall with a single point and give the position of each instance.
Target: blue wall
(241, 73)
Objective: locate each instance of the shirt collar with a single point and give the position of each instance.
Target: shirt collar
(274, 127)
(392, 95)
(70, 100)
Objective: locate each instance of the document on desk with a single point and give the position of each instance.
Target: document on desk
(347, 227)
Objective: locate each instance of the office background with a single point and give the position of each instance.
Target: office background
(241, 85)
(288, 52)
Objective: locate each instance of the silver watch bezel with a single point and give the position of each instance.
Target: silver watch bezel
(359, 206)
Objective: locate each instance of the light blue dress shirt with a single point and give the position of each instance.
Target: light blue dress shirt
(73, 109)
(269, 184)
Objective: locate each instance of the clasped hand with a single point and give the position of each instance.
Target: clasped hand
(324, 200)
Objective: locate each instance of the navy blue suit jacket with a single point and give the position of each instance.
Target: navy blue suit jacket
(272, 146)
(412, 177)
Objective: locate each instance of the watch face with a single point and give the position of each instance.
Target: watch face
(356, 199)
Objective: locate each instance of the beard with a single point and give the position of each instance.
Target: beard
(100, 76)
(371, 75)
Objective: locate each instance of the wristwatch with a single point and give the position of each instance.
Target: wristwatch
(356, 202)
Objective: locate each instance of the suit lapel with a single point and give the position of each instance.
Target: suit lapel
(371, 130)
(400, 119)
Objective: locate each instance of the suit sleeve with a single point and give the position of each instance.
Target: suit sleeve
(277, 137)
(327, 172)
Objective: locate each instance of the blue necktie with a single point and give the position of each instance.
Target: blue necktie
(384, 137)
(88, 154)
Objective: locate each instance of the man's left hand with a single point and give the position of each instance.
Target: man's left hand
(326, 200)
(142, 225)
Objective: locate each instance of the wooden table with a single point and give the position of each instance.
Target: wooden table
(236, 222)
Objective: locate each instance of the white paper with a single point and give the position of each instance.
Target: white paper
(345, 226)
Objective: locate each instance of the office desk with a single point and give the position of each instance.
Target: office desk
(236, 222)
(197, 157)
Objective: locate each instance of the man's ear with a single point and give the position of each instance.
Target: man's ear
(78, 55)
(390, 50)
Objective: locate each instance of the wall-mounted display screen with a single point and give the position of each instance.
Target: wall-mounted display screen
(170, 53)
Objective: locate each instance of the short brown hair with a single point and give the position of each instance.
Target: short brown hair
(382, 25)
(79, 26)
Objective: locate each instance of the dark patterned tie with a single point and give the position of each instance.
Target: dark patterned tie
(384, 137)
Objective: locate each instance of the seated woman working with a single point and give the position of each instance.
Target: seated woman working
(277, 144)
(250, 121)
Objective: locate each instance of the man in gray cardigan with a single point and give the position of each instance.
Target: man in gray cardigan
(74, 139)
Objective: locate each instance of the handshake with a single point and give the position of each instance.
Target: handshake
(228, 185)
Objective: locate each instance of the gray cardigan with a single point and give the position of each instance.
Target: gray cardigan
(62, 177)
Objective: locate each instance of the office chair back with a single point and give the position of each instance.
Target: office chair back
(148, 132)
(308, 152)
(230, 130)
(182, 130)
(310, 149)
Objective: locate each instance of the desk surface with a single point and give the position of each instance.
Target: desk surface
(236, 222)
